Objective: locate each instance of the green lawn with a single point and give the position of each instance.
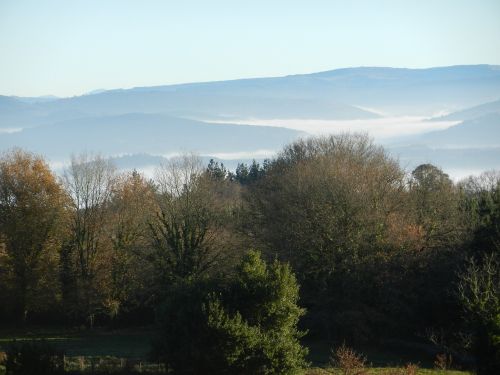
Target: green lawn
(128, 343)
(115, 345)
(385, 370)
(392, 354)
(381, 359)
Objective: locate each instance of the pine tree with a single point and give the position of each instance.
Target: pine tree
(247, 327)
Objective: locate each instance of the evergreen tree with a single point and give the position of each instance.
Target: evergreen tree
(479, 291)
(247, 327)
(242, 173)
(217, 171)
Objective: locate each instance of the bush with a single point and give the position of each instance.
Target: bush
(34, 357)
(247, 327)
(348, 361)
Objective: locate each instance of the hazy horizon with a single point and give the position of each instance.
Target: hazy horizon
(69, 48)
(251, 77)
(100, 90)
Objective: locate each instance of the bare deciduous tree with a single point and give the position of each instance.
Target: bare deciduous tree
(89, 181)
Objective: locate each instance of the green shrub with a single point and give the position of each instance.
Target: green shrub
(34, 357)
(479, 291)
(247, 327)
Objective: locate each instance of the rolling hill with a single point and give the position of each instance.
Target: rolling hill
(144, 133)
(341, 94)
(472, 113)
(483, 131)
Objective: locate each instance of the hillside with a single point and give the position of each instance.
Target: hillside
(483, 131)
(472, 113)
(161, 120)
(139, 133)
(340, 94)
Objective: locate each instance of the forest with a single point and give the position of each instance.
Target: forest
(237, 272)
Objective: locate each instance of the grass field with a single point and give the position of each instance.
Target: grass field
(133, 343)
(84, 348)
(115, 346)
(384, 371)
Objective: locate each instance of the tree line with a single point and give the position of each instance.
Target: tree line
(379, 253)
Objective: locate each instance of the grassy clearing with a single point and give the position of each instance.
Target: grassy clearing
(384, 371)
(99, 348)
(388, 354)
(120, 348)
(128, 343)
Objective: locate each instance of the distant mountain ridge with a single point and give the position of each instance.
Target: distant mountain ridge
(341, 94)
(202, 117)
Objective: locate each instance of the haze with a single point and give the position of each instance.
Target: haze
(67, 48)
(421, 78)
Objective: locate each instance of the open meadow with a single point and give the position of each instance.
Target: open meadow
(104, 351)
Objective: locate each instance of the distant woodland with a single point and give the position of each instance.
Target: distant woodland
(331, 239)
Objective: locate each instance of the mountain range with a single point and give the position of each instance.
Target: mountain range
(207, 117)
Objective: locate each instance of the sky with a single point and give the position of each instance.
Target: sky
(69, 47)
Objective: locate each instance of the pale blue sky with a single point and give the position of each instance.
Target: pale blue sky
(69, 47)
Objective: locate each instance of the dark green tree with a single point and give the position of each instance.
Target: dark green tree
(249, 174)
(241, 174)
(479, 291)
(248, 326)
(482, 203)
(217, 171)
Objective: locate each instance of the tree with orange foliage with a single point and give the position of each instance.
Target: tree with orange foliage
(31, 207)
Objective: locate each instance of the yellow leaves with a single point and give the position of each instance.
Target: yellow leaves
(27, 181)
(31, 206)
